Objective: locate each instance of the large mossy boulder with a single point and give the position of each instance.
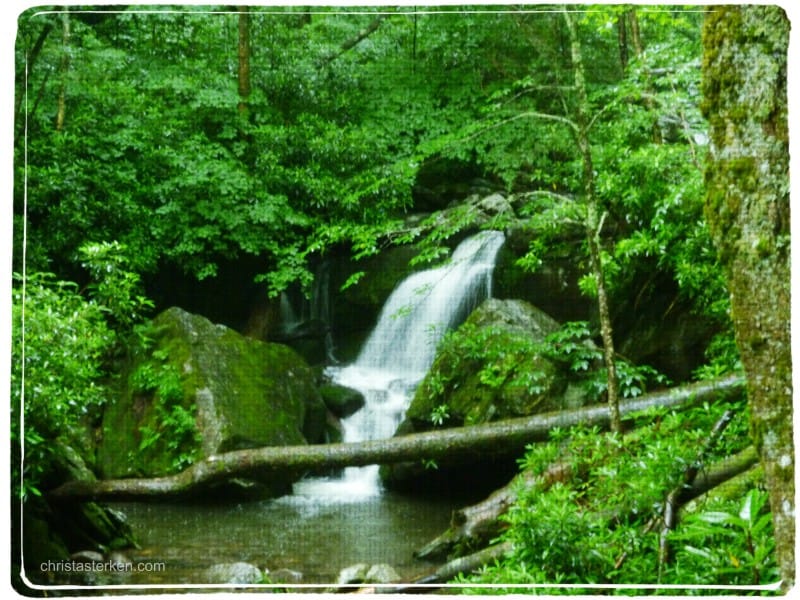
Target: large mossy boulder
(199, 389)
(491, 368)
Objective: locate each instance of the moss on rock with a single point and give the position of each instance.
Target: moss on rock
(200, 389)
(491, 368)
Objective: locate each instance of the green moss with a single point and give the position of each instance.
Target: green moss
(199, 389)
(491, 368)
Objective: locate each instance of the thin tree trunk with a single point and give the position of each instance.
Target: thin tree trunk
(244, 58)
(62, 95)
(594, 224)
(357, 39)
(636, 36)
(28, 68)
(638, 49)
(622, 41)
(508, 437)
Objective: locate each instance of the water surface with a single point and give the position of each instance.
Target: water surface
(303, 533)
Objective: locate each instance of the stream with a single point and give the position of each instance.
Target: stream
(328, 524)
(301, 533)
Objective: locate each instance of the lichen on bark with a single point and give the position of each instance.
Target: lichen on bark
(747, 208)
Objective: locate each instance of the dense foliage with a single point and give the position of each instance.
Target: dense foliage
(64, 348)
(126, 144)
(600, 523)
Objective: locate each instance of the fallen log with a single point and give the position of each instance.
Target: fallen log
(476, 525)
(677, 498)
(462, 443)
(463, 565)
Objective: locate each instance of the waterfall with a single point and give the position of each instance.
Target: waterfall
(401, 349)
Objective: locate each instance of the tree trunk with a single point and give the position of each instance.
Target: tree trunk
(244, 58)
(747, 207)
(476, 525)
(707, 480)
(622, 41)
(636, 35)
(594, 224)
(21, 78)
(508, 437)
(61, 114)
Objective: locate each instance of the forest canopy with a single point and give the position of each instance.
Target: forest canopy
(329, 126)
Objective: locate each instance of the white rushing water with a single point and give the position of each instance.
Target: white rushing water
(401, 349)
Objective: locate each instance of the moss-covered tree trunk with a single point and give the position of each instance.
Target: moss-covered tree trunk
(747, 207)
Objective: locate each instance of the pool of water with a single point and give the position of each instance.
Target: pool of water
(316, 536)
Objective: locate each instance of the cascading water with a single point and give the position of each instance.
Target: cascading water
(401, 349)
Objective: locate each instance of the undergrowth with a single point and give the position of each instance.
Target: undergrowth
(601, 525)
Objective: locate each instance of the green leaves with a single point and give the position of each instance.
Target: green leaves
(113, 286)
(60, 343)
(595, 524)
(732, 539)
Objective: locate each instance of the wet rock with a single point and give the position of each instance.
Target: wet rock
(342, 401)
(492, 368)
(382, 573)
(364, 573)
(238, 572)
(285, 576)
(353, 574)
(334, 431)
(119, 560)
(87, 556)
(495, 204)
(522, 381)
(237, 392)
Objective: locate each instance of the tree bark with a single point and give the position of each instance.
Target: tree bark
(61, 114)
(462, 443)
(594, 224)
(747, 207)
(476, 525)
(636, 35)
(705, 481)
(21, 78)
(244, 58)
(622, 40)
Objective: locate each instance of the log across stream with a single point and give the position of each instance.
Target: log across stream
(507, 436)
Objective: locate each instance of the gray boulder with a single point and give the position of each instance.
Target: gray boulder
(353, 574)
(492, 368)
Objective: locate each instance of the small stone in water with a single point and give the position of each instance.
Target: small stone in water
(285, 576)
(382, 573)
(239, 572)
(353, 574)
